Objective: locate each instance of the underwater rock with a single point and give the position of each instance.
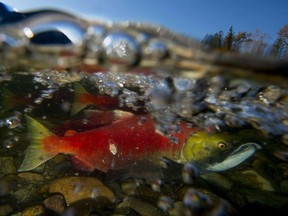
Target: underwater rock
(283, 169)
(142, 207)
(24, 194)
(251, 178)
(7, 186)
(204, 202)
(77, 188)
(122, 209)
(5, 210)
(89, 207)
(55, 203)
(129, 186)
(177, 209)
(7, 166)
(29, 176)
(284, 186)
(218, 180)
(38, 210)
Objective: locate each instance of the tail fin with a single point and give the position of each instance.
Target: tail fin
(35, 153)
(77, 104)
(7, 99)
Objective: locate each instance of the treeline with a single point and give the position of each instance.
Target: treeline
(249, 42)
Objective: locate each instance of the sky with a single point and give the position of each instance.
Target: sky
(195, 18)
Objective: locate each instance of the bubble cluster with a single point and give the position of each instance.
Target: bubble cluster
(12, 121)
(190, 173)
(165, 203)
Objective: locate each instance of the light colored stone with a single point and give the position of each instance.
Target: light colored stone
(37, 210)
(31, 176)
(75, 188)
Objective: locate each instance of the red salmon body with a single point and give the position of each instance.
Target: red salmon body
(113, 146)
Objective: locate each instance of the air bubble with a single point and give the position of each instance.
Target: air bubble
(28, 109)
(10, 142)
(182, 84)
(156, 49)
(38, 100)
(156, 185)
(173, 140)
(120, 49)
(190, 172)
(48, 94)
(66, 106)
(13, 122)
(77, 187)
(191, 199)
(165, 203)
(95, 193)
(142, 120)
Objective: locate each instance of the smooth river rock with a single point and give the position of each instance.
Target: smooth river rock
(76, 188)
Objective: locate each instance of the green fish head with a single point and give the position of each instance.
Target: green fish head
(207, 149)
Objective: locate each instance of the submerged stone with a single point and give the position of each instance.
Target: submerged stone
(7, 166)
(77, 188)
(38, 210)
(55, 203)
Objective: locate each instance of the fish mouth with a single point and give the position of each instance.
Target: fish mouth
(238, 156)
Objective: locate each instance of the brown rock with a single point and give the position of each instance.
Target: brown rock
(76, 188)
(177, 209)
(37, 210)
(7, 166)
(5, 210)
(7, 187)
(55, 203)
(142, 207)
(284, 186)
(31, 176)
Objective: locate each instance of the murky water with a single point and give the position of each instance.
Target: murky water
(141, 141)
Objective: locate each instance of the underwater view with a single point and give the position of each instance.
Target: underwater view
(130, 118)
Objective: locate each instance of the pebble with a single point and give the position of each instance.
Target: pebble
(7, 166)
(31, 176)
(89, 207)
(123, 209)
(37, 210)
(5, 210)
(76, 188)
(143, 208)
(129, 186)
(218, 180)
(284, 186)
(55, 203)
(6, 187)
(251, 178)
(24, 194)
(177, 209)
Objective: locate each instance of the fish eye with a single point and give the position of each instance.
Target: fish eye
(221, 145)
